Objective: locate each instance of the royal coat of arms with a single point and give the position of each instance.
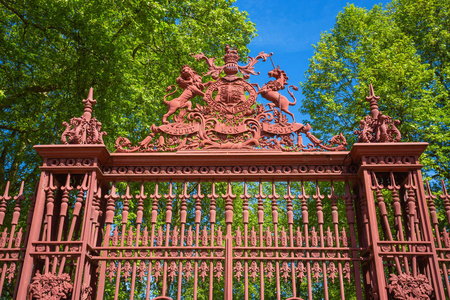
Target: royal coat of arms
(228, 115)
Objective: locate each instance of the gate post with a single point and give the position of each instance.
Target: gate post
(400, 242)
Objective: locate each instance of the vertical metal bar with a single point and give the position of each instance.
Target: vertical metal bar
(35, 229)
(433, 261)
(15, 220)
(260, 196)
(155, 198)
(411, 202)
(335, 219)
(198, 217)
(49, 216)
(374, 238)
(126, 198)
(303, 197)
(318, 197)
(85, 230)
(229, 197)
(384, 216)
(212, 221)
(290, 220)
(109, 218)
(75, 215)
(139, 215)
(245, 197)
(183, 214)
(398, 215)
(350, 213)
(169, 198)
(62, 216)
(274, 197)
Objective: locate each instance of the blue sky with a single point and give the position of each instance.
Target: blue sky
(289, 29)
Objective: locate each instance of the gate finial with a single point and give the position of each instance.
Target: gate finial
(85, 129)
(376, 127)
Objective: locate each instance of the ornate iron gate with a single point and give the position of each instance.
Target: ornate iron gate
(225, 201)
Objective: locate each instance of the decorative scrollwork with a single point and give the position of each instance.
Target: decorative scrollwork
(230, 118)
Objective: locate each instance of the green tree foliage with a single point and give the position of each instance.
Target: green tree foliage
(403, 51)
(51, 52)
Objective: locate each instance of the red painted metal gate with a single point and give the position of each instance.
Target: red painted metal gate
(224, 201)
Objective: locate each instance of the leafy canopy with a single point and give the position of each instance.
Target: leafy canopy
(396, 50)
(52, 51)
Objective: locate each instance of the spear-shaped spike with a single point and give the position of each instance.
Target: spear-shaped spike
(410, 184)
(375, 185)
(20, 195)
(444, 190)
(318, 195)
(229, 194)
(213, 194)
(288, 194)
(170, 195)
(127, 195)
(88, 103)
(246, 195)
(156, 195)
(185, 192)
(373, 100)
(392, 186)
(67, 187)
(199, 191)
(142, 194)
(51, 186)
(6, 196)
(274, 192)
(261, 194)
(429, 194)
(332, 195)
(303, 195)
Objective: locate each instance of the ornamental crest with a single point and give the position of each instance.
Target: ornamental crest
(226, 114)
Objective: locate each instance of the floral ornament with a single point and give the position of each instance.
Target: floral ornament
(269, 269)
(316, 271)
(407, 287)
(127, 270)
(141, 269)
(111, 270)
(301, 270)
(332, 270)
(254, 270)
(173, 269)
(50, 286)
(238, 269)
(203, 270)
(187, 269)
(218, 270)
(285, 271)
(157, 270)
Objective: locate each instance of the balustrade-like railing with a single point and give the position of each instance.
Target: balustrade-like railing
(226, 225)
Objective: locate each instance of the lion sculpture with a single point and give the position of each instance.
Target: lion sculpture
(192, 86)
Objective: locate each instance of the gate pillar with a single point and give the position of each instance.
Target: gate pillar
(400, 243)
(62, 227)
